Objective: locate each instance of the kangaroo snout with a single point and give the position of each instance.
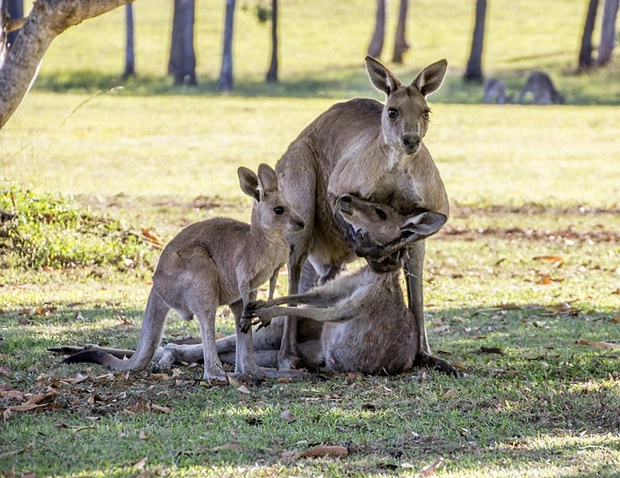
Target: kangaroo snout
(411, 142)
(297, 225)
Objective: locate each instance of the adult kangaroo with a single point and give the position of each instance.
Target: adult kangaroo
(374, 151)
(211, 263)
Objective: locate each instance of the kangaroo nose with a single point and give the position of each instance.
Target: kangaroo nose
(411, 142)
(300, 225)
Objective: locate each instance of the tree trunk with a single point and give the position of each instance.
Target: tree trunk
(473, 72)
(47, 20)
(585, 52)
(272, 74)
(182, 63)
(15, 9)
(608, 32)
(130, 54)
(401, 44)
(226, 82)
(376, 42)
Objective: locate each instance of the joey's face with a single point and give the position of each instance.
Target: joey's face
(379, 222)
(277, 213)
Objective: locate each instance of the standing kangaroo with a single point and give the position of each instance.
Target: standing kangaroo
(367, 326)
(212, 263)
(374, 151)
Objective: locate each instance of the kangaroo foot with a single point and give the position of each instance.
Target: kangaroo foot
(425, 359)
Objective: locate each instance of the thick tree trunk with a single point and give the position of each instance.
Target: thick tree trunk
(226, 82)
(47, 20)
(130, 54)
(272, 74)
(376, 42)
(182, 63)
(608, 32)
(585, 52)
(401, 44)
(473, 72)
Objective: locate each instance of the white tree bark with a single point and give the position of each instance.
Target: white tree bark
(47, 20)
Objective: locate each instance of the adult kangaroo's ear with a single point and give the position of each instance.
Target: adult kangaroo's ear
(248, 182)
(381, 77)
(267, 179)
(423, 225)
(430, 78)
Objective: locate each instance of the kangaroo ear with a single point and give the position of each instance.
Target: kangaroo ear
(424, 224)
(430, 78)
(248, 182)
(267, 179)
(381, 77)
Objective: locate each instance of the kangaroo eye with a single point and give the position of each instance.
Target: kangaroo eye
(426, 115)
(382, 215)
(392, 113)
(278, 210)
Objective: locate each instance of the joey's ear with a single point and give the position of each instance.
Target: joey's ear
(381, 77)
(424, 224)
(248, 182)
(430, 78)
(267, 178)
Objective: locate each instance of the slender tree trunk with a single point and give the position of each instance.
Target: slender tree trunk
(585, 52)
(473, 72)
(608, 32)
(226, 82)
(47, 20)
(130, 54)
(376, 42)
(272, 74)
(15, 10)
(401, 44)
(182, 63)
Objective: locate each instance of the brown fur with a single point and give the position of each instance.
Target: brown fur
(211, 263)
(542, 89)
(374, 151)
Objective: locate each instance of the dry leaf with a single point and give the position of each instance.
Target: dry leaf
(244, 389)
(141, 463)
(491, 350)
(615, 319)
(325, 450)
(159, 409)
(598, 345)
(429, 470)
(152, 237)
(557, 261)
(226, 446)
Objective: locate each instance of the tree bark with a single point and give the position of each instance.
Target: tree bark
(130, 54)
(182, 63)
(401, 44)
(376, 42)
(585, 52)
(608, 32)
(473, 72)
(272, 73)
(226, 82)
(47, 20)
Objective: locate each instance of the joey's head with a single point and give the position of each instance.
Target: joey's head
(382, 224)
(406, 114)
(271, 208)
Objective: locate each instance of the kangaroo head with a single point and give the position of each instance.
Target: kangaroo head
(382, 224)
(405, 115)
(271, 209)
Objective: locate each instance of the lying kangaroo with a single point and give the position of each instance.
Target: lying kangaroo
(540, 85)
(367, 326)
(374, 151)
(212, 263)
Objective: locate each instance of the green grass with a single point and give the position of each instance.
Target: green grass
(525, 182)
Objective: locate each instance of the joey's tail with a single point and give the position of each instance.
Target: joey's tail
(150, 337)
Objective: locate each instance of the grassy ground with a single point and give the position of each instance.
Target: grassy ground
(527, 266)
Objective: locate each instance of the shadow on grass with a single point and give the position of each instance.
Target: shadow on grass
(538, 398)
(598, 88)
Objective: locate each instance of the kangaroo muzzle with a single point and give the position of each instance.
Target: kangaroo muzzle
(411, 142)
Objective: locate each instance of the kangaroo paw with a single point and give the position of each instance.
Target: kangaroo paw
(427, 360)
